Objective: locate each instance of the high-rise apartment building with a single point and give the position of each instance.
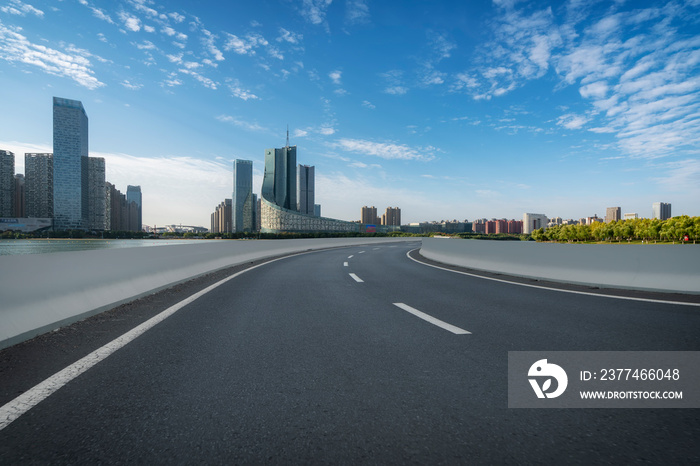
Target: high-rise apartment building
(305, 189)
(222, 217)
(70, 165)
(97, 194)
(242, 202)
(661, 210)
(111, 207)
(120, 214)
(279, 180)
(392, 217)
(613, 214)
(133, 195)
(38, 187)
(515, 226)
(7, 183)
(369, 216)
(19, 196)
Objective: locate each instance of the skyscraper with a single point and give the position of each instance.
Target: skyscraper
(70, 164)
(305, 189)
(19, 196)
(661, 210)
(97, 195)
(133, 194)
(279, 180)
(243, 204)
(38, 187)
(7, 183)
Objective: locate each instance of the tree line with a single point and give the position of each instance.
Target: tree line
(638, 229)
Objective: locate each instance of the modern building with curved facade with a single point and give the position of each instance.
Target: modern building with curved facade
(532, 222)
(278, 201)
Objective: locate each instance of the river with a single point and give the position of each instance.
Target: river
(45, 246)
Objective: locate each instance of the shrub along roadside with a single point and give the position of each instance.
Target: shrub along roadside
(640, 229)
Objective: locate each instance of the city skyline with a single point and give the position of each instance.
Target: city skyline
(483, 110)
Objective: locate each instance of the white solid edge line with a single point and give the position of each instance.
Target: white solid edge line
(356, 278)
(27, 400)
(432, 320)
(629, 298)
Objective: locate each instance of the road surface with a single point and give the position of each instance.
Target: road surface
(320, 358)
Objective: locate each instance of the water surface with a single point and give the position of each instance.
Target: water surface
(51, 245)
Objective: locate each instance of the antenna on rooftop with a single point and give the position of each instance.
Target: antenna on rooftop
(287, 136)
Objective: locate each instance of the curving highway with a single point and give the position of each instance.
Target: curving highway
(349, 355)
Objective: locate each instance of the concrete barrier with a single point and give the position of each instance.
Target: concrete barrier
(41, 292)
(651, 267)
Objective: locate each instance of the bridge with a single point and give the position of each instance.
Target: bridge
(367, 353)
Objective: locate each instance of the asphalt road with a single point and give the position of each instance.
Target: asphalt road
(298, 361)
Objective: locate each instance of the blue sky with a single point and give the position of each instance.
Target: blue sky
(447, 109)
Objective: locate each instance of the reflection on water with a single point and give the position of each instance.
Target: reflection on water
(43, 246)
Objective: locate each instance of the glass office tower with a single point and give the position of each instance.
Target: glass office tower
(70, 164)
(133, 194)
(305, 189)
(280, 179)
(243, 207)
(661, 210)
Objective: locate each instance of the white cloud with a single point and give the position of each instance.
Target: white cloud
(368, 104)
(440, 45)
(175, 58)
(597, 90)
(175, 189)
(146, 45)
(572, 121)
(367, 189)
(335, 76)
(357, 11)
(245, 46)
(100, 14)
(139, 5)
(131, 86)
(132, 23)
(633, 66)
(247, 125)
(682, 176)
(389, 151)
(15, 47)
(209, 41)
(396, 90)
(16, 7)
(177, 17)
(288, 36)
(238, 91)
(206, 82)
(314, 11)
